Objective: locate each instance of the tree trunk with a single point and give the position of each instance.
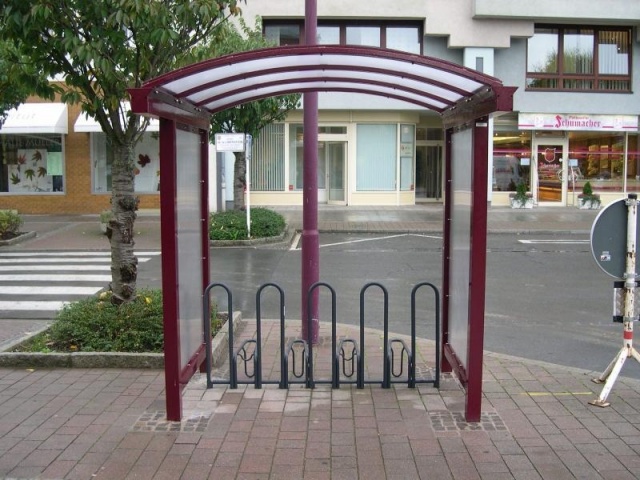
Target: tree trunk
(124, 203)
(239, 180)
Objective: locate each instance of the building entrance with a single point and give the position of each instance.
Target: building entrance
(332, 172)
(428, 172)
(549, 167)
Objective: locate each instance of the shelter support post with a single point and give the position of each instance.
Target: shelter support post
(310, 237)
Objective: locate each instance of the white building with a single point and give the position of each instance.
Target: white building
(575, 113)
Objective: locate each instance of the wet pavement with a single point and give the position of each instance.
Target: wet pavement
(536, 422)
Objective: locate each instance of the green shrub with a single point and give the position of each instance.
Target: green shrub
(232, 225)
(96, 325)
(10, 222)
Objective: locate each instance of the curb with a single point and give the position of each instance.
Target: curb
(285, 236)
(20, 238)
(219, 345)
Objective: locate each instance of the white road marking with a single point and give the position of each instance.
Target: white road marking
(70, 254)
(54, 278)
(360, 240)
(19, 260)
(557, 242)
(55, 268)
(40, 306)
(40, 290)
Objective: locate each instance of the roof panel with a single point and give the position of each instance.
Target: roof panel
(224, 82)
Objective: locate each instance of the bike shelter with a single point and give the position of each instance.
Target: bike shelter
(184, 101)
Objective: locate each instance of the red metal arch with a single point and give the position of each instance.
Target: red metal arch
(199, 90)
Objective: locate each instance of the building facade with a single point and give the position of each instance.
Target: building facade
(575, 117)
(53, 160)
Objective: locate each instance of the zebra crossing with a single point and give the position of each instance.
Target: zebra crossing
(38, 284)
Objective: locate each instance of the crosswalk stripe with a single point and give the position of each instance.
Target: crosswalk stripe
(70, 254)
(36, 305)
(20, 261)
(56, 268)
(45, 277)
(42, 290)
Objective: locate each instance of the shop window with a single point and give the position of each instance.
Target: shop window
(32, 164)
(267, 162)
(400, 35)
(146, 161)
(600, 160)
(511, 160)
(633, 164)
(579, 59)
(376, 147)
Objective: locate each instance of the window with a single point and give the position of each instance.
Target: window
(633, 163)
(267, 162)
(146, 160)
(285, 34)
(31, 164)
(511, 160)
(398, 35)
(579, 59)
(376, 147)
(600, 160)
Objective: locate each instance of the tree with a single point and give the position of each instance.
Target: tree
(249, 118)
(18, 80)
(102, 48)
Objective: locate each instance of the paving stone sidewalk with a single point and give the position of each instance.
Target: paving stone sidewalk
(536, 423)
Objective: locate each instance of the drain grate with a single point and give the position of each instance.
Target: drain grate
(455, 421)
(157, 422)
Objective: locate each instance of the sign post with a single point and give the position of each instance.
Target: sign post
(610, 260)
(239, 142)
(247, 176)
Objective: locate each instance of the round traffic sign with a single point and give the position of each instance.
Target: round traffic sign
(609, 239)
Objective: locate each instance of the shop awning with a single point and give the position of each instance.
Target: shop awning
(84, 123)
(36, 118)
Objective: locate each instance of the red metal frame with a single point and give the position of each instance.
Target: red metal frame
(478, 267)
(168, 202)
(156, 98)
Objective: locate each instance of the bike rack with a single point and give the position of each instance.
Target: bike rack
(348, 354)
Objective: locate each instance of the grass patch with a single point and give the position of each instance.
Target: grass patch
(232, 224)
(96, 325)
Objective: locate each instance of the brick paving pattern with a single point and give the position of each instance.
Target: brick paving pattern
(535, 423)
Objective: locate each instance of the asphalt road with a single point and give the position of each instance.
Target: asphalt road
(546, 298)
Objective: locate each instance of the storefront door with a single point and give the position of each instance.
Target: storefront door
(549, 171)
(336, 172)
(428, 172)
(332, 172)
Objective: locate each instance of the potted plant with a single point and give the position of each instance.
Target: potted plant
(588, 200)
(521, 199)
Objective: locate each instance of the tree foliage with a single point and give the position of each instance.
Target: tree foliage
(249, 118)
(102, 48)
(19, 79)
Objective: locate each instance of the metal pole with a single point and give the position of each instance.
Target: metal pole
(310, 238)
(247, 155)
(613, 370)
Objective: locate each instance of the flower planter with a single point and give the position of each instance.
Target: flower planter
(521, 203)
(589, 203)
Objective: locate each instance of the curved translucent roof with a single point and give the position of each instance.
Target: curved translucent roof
(220, 83)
